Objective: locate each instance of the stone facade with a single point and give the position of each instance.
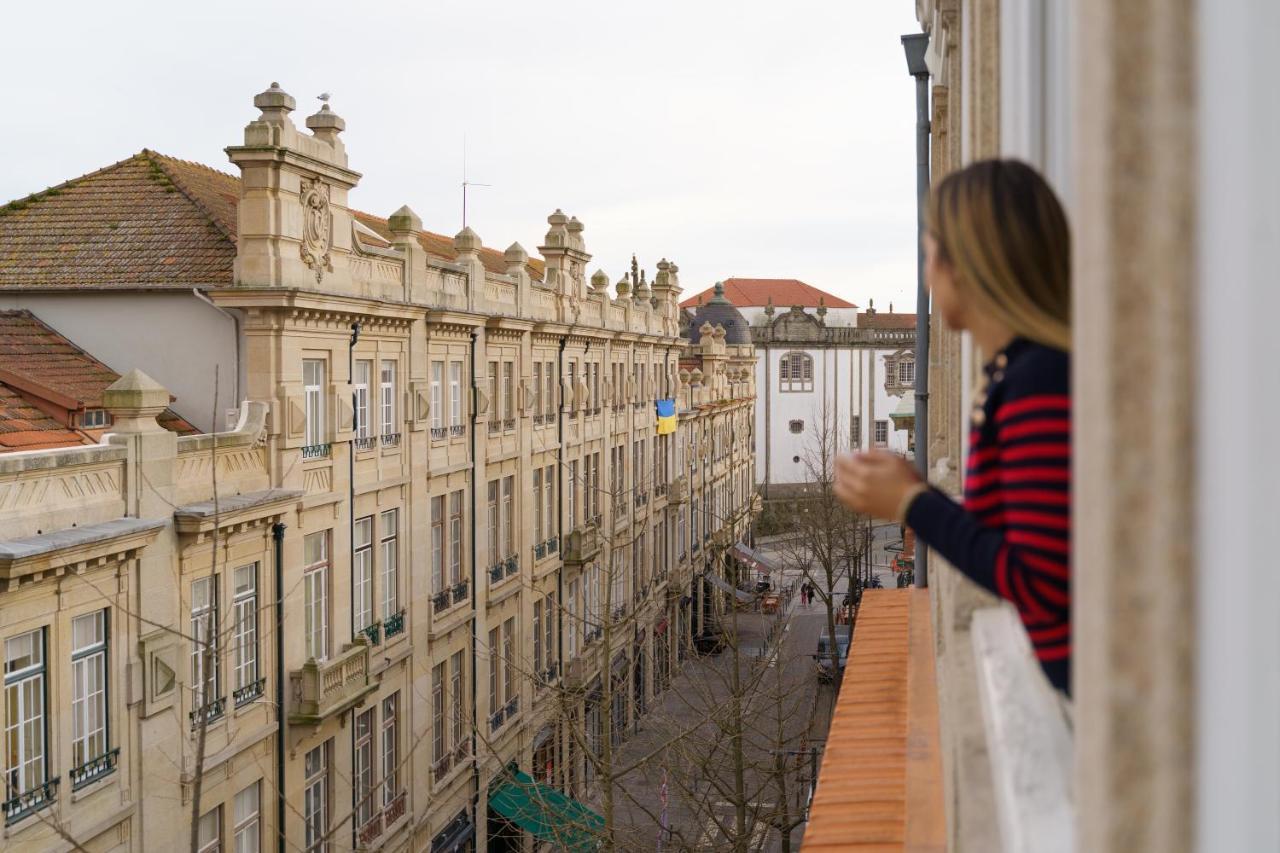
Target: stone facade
(443, 522)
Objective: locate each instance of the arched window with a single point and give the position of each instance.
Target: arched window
(795, 372)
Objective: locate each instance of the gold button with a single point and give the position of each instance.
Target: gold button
(1002, 360)
(979, 418)
(998, 376)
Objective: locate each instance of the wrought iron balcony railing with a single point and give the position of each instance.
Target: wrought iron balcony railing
(208, 712)
(243, 695)
(460, 591)
(368, 832)
(93, 769)
(441, 601)
(30, 801)
(394, 810)
(393, 624)
(391, 439)
(373, 632)
(365, 442)
(456, 430)
(439, 433)
(315, 451)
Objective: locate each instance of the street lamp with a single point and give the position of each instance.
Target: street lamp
(915, 46)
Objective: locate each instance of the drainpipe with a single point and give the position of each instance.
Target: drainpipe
(277, 536)
(475, 722)
(235, 330)
(351, 465)
(915, 45)
(560, 510)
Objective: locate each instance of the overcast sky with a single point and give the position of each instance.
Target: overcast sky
(750, 139)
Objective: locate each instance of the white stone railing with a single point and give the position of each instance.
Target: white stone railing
(1029, 739)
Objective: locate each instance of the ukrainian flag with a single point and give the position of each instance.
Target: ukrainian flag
(666, 416)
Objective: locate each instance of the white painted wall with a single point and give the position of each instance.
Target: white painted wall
(173, 337)
(1238, 590)
(836, 317)
(850, 380)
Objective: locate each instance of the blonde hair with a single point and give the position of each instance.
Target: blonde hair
(1002, 229)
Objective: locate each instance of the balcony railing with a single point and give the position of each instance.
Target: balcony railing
(365, 442)
(93, 769)
(641, 499)
(391, 439)
(496, 573)
(512, 565)
(460, 591)
(373, 632)
(369, 832)
(513, 707)
(242, 695)
(321, 689)
(394, 810)
(553, 544)
(441, 767)
(539, 420)
(497, 718)
(439, 433)
(30, 801)
(661, 489)
(582, 544)
(539, 550)
(393, 625)
(456, 430)
(441, 601)
(509, 424)
(208, 713)
(495, 426)
(315, 451)
(550, 674)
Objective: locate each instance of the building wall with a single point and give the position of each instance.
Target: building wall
(300, 460)
(174, 337)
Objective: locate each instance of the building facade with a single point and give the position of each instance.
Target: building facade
(826, 374)
(443, 531)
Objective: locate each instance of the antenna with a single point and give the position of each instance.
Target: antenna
(465, 182)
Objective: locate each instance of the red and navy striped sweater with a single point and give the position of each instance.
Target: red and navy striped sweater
(1013, 534)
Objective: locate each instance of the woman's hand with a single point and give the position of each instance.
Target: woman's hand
(877, 483)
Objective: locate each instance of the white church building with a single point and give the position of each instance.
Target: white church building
(818, 358)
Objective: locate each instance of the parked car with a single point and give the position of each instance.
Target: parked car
(823, 656)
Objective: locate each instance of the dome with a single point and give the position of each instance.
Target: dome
(719, 311)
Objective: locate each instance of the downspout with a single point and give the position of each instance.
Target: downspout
(351, 465)
(475, 723)
(915, 46)
(560, 509)
(277, 536)
(235, 329)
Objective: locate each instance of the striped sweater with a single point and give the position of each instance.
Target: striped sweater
(1013, 534)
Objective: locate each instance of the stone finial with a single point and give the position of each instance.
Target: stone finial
(557, 234)
(599, 281)
(135, 400)
(575, 229)
(516, 258)
(557, 218)
(467, 241)
(890, 307)
(643, 293)
(404, 221)
(871, 306)
(695, 376)
(275, 103)
(624, 286)
(326, 124)
(635, 269)
(768, 307)
(662, 277)
(719, 331)
(706, 329)
(822, 311)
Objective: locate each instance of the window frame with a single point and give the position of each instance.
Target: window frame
(82, 658)
(360, 385)
(795, 372)
(387, 396)
(313, 401)
(389, 550)
(244, 612)
(18, 732)
(315, 577)
(362, 572)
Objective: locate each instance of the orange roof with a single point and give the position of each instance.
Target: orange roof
(41, 374)
(880, 786)
(884, 320)
(757, 292)
(146, 221)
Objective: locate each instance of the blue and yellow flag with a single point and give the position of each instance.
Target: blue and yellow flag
(666, 416)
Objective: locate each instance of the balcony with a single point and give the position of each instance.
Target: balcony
(641, 499)
(321, 689)
(370, 831)
(93, 769)
(509, 424)
(661, 490)
(207, 713)
(30, 801)
(582, 545)
(365, 442)
(394, 810)
(391, 439)
(495, 426)
(460, 591)
(679, 490)
(373, 632)
(456, 430)
(315, 451)
(393, 625)
(439, 433)
(243, 695)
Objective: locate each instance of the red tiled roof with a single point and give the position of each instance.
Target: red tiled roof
(883, 320)
(36, 362)
(880, 786)
(146, 221)
(757, 292)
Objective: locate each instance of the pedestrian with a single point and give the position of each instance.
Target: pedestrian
(997, 251)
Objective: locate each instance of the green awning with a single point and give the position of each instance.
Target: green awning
(545, 813)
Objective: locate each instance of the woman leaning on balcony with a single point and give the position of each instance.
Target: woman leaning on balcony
(997, 253)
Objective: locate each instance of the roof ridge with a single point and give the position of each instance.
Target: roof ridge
(159, 161)
(39, 195)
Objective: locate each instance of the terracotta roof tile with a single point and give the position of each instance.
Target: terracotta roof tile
(886, 320)
(756, 293)
(24, 427)
(880, 786)
(146, 221)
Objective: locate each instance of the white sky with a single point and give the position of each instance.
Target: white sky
(751, 139)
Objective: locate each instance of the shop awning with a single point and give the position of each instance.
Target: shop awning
(547, 814)
(723, 584)
(751, 558)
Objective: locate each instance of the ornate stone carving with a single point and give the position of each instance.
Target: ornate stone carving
(317, 227)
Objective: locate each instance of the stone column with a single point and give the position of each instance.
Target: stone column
(1134, 264)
